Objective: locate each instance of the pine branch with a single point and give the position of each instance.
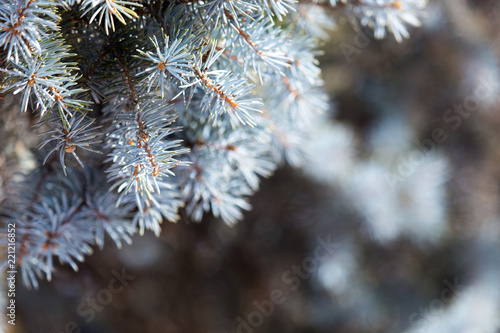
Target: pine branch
(197, 101)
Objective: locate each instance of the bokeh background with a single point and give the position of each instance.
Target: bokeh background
(403, 180)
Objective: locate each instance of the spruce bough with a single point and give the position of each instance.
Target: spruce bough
(145, 107)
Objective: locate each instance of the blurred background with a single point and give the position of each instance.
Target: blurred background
(393, 225)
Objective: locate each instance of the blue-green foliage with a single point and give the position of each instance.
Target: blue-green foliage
(165, 104)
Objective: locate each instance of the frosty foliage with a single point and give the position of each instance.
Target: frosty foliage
(413, 206)
(475, 309)
(166, 104)
(399, 190)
